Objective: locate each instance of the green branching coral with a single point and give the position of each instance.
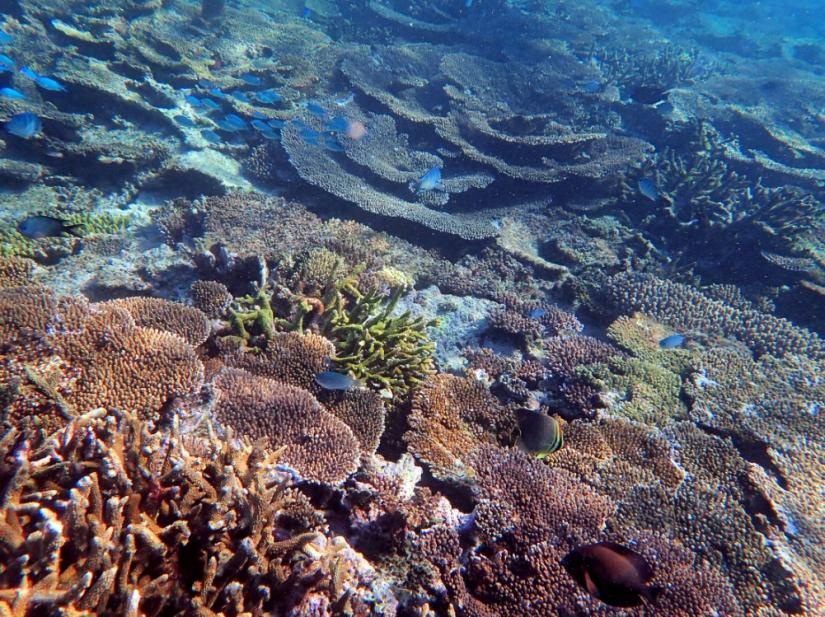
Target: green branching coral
(385, 350)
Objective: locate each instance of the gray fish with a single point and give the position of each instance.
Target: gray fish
(40, 226)
(330, 380)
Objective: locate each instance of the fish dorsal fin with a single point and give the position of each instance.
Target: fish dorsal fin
(590, 586)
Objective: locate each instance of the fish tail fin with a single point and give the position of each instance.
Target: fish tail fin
(75, 229)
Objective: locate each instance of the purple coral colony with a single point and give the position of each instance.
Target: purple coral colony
(444, 308)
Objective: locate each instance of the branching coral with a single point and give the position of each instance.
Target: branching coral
(108, 518)
(15, 271)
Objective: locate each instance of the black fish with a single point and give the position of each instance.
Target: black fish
(40, 226)
(612, 573)
(648, 95)
(539, 434)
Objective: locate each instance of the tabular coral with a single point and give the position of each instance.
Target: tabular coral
(288, 357)
(308, 438)
(361, 410)
(211, 297)
(451, 416)
(187, 322)
(686, 309)
(109, 518)
(71, 357)
(529, 517)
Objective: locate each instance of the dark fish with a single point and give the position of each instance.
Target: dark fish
(613, 573)
(330, 380)
(40, 226)
(674, 340)
(648, 188)
(24, 125)
(540, 434)
(648, 95)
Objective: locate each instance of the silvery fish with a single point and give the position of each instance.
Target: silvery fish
(25, 125)
(40, 226)
(331, 380)
(431, 180)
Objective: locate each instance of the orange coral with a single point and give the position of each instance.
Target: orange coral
(187, 322)
(309, 439)
(15, 271)
(451, 416)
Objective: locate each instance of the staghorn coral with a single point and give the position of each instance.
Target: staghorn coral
(187, 322)
(450, 417)
(290, 421)
(686, 309)
(108, 518)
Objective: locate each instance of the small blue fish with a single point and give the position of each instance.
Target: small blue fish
(267, 97)
(269, 134)
(211, 136)
(41, 226)
(431, 180)
(29, 73)
(306, 13)
(331, 143)
(330, 380)
(538, 313)
(592, 86)
(259, 115)
(310, 136)
(184, 121)
(345, 100)
(236, 121)
(316, 110)
(338, 124)
(260, 125)
(25, 125)
(674, 340)
(210, 104)
(648, 188)
(5, 37)
(276, 123)
(11, 93)
(226, 125)
(6, 61)
(217, 92)
(47, 83)
(241, 96)
(252, 80)
(206, 84)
